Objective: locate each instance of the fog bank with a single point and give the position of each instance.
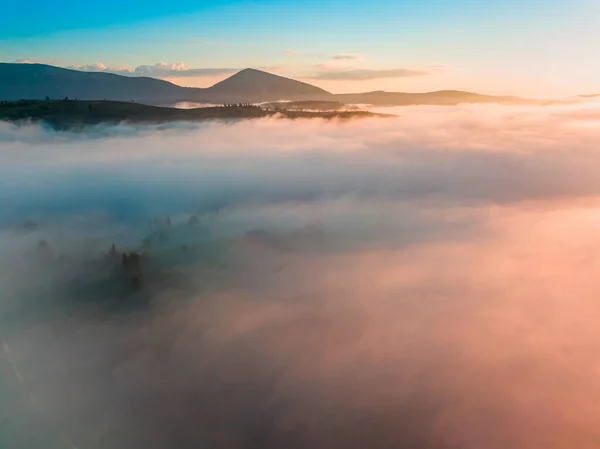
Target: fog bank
(427, 281)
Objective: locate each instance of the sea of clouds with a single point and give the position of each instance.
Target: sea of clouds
(424, 281)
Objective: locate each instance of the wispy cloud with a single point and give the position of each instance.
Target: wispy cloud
(333, 68)
(158, 70)
(367, 74)
(343, 67)
(335, 57)
(100, 67)
(345, 57)
(179, 69)
(34, 61)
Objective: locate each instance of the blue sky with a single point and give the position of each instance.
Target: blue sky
(516, 47)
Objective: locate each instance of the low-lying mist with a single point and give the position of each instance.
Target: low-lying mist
(426, 281)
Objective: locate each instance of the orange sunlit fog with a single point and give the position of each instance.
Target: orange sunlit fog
(426, 280)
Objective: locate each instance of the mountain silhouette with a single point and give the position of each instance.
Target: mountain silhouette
(38, 81)
(262, 85)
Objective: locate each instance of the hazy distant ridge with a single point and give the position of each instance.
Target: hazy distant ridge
(38, 81)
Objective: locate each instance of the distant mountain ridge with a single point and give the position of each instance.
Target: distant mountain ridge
(38, 81)
(439, 98)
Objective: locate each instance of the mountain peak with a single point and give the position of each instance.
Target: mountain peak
(251, 70)
(254, 74)
(267, 85)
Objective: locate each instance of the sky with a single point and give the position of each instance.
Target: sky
(536, 48)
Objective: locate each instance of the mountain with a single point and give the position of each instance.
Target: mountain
(440, 98)
(255, 86)
(38, 81)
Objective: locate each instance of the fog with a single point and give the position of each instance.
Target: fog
(192, 105)
(424, 281)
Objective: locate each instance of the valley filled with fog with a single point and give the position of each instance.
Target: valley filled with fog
(424, 281)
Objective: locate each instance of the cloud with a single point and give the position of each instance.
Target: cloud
(162, 69)
(97, 67)
(376, 283)
(345, 57)
(367, 74)
(34, 61)
(100, 67)
(158, 70)
(335, 57)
